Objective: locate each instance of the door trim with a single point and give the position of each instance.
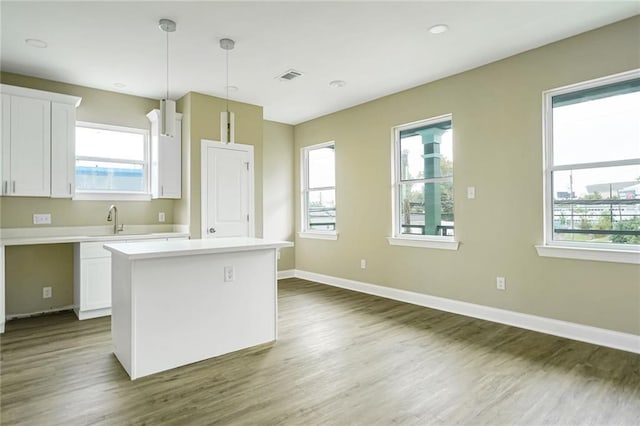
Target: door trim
(206, 144)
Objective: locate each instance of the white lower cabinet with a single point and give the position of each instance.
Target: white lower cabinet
(92, 278)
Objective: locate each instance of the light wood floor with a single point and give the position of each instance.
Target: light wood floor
(341, 358)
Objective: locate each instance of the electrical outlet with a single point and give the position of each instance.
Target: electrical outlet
(229, 274)
(161, 217)
(46, 292)
(471, 192)
(363, 263)
(501, 283)
(42, 219)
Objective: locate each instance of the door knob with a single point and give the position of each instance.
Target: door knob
(212, 230)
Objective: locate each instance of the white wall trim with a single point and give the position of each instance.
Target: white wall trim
(587, 253)
(33, 314)
(584, 333)
(319, 235)
(425, 242)
(289, 273)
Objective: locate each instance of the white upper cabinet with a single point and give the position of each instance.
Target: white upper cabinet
(38, 142)
(63, 147)
(26, 146)
(166, 159)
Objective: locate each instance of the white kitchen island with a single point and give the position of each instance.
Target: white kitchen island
(178, 302)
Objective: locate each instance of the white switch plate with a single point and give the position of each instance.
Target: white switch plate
(501, 283)
(161, 217)
(471, 192)
(229, 274)
(42, 218)
(363, 263)
(46, 292)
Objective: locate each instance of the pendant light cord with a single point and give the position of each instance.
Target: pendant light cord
(227, 86)
(167, 65)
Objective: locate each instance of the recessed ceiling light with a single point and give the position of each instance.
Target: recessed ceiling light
(337, 83)
(120, 85)
(438, 29)
(34, 42)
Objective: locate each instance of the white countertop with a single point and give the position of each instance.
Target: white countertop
(81, 234)
(157, 249)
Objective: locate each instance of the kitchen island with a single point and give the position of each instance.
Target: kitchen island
(179, 302)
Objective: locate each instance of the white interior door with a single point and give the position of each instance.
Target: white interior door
(227, 190)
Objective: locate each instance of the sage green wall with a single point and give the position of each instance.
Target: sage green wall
(202, 113)
(29, 268)
(278, 182)
(498, 149)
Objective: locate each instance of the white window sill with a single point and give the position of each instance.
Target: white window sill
(433, 243)
(107, 196)
(329, 235)
(584, 253)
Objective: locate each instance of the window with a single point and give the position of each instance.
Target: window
(592, 155)
(423, 182)
(319, 191)
(111, 161)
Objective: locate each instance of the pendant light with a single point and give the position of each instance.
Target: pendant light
(167, 106)
(227, 119)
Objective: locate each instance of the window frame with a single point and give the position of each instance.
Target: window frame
(414, 240)
(305, 231)
(608, 252)
(146, 166)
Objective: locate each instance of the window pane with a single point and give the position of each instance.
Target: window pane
(111, 144)
(426, 208)
(426, 152)
(597, 205)
(109, 176)
(322, 173)
(596, 127)
(322, 210)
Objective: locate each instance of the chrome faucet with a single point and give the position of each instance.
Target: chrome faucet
(113, 216)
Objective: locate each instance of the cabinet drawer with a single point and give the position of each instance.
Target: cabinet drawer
(93, 250)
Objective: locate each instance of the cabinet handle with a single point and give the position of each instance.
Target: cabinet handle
(212, 230)
(162, 190)
(70, 193)
(5, 189)
(14, 186)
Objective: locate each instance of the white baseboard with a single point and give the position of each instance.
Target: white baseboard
(94, 313)
(33, 314)
(289, 273)
(584, 333)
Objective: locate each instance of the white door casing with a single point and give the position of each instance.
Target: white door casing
(226, 190)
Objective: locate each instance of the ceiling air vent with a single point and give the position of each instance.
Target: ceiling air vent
(289, 75)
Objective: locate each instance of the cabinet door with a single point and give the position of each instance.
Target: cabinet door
(96, 283)
(170, 164)
(29, 168)
(5, 139)
(63, 147)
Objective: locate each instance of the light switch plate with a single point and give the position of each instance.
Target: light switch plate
(471, 192)
(42, 219)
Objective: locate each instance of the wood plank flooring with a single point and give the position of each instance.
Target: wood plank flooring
(342, 358)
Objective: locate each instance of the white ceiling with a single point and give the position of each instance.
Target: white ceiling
(377, 48)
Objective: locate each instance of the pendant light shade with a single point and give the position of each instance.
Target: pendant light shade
(167, 117)
(227, 127)
(227, 118)
(167, 106)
